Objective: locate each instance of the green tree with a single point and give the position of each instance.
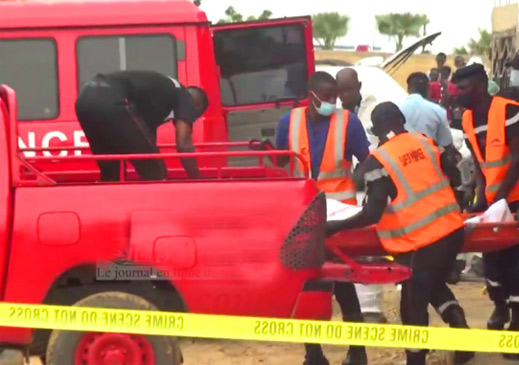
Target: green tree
(197, 2)
(232, 16)
(461, 51)
(400, 26)
(327, 27)
(480, 46)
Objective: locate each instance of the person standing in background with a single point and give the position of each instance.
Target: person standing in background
(441, 59)
(459, 62)
(424, 116)
(349, 86)
(443, 91)
(434, 74)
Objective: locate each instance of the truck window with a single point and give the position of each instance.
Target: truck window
(30, 67)
(117, 53)
(261, 64)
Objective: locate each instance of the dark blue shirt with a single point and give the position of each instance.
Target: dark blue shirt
(357, 143)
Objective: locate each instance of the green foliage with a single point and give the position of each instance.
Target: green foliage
(232, 16)
(480, 47)
(400, 26)
(327, 27)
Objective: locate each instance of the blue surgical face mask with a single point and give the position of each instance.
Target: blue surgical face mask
(326, 109)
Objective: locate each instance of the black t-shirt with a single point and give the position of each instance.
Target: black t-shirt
(155, 97)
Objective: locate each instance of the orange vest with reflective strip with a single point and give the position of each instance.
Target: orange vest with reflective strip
(425, 208)
(335, 172)
(497, 159)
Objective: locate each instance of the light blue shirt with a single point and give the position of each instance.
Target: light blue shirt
(426, 117)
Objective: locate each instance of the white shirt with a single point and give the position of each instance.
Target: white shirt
(426, 117)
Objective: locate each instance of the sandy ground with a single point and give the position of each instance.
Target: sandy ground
(213, 352)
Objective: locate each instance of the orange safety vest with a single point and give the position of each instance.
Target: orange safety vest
(497, 159)
(335, 172)
(425, 208)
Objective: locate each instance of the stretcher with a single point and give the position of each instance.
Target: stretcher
(479, 237)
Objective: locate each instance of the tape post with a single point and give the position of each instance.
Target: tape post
(255, 328)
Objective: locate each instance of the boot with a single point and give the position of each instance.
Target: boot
(356, 356)
(455, 317)
(416, 358)
(514, 326)
(314, 355)
(499, 317)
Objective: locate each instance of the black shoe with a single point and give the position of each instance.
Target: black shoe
(314, 355)
(454, 316)
(461, 357)
(499, 317)
(356, 356)
(311, 360)
(513, 357)
(416, 358)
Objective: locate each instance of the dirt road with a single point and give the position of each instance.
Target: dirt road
(211, 352)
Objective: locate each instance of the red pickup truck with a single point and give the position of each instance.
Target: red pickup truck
(225, 244)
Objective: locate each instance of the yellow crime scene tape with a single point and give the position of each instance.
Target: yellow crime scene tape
(254, 328)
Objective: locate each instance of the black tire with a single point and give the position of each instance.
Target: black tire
(62, 344)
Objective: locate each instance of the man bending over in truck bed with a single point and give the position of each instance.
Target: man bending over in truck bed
(120, 113)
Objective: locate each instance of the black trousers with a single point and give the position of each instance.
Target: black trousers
(111, 127)
(431, 266)
(348, 300)
(502, 273)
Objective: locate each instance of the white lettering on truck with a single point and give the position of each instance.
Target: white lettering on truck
(78, 140)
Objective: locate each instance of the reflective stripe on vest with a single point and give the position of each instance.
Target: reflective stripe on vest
(294, 137)
(498, 156)
(425, 208)
(334, 171)
(412, 197)
(421, 223)
(497, 163)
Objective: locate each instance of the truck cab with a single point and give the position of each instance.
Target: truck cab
(252, 72)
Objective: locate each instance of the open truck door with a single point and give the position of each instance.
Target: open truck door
(263, 72)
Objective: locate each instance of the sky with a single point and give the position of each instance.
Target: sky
(458, 20)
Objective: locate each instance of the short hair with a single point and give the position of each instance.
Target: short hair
(446, 70)
(475, 71)
(319, 78)
(417, 79)
(201, 94)
(442, 55)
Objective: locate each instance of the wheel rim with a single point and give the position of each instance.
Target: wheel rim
(114, 349)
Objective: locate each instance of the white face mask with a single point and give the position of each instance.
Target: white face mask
(514, 78)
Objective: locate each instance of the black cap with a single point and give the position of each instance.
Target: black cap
(474, 70)
(387, 111)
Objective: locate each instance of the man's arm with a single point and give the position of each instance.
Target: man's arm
(478, 183)
(357, 143)
(379, 191)
(184, 141)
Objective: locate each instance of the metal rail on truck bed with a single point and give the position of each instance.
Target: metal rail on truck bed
(28, 171)
(39, 171)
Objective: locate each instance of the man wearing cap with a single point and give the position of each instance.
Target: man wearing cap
(491, 127)
(417, 219)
